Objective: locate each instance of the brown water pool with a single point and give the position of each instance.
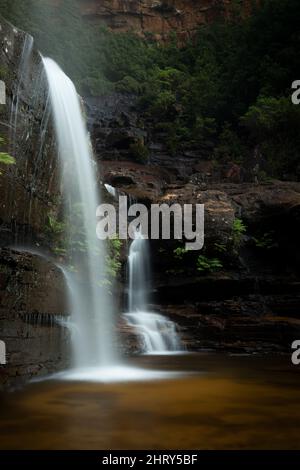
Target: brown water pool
(219, 402)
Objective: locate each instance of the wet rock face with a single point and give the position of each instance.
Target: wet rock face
(32, 290)
(114, 123)
(32, 305)
(239, 324)
(28, 189)
(158, 18)
(251, 303)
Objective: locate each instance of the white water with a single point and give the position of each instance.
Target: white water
(91, 307)
(158, 333)
(111, 190)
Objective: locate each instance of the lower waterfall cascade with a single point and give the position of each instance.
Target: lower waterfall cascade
(158, 334)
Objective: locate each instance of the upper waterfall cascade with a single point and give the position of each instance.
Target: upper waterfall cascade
(91, 307)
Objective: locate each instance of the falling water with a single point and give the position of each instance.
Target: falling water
(139, 275)
(158, 332)
(90, 303)
(111, 190)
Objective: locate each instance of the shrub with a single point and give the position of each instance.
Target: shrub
(128, 85)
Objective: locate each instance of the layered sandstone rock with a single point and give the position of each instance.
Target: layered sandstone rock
(157, 17)
(32, 311)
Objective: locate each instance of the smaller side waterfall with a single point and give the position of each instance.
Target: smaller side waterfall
(157, 332)
(111, 190)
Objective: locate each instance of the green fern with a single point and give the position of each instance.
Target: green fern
(238, 230)
(210, 265)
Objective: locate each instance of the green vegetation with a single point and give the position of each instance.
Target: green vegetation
(113, 263)
(68, 241)
(205, 264)
(55, 231)
(201, 263)
(139, 152)
(238, 231)
(179, 252)
(3, 73)
(225, 94)
(5, 158)
(265, 241)
(54, 226)
(220, 248)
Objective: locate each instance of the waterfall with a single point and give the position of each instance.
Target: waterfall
(111, 190)
(89, 298)
(138, 271)
(158, 333)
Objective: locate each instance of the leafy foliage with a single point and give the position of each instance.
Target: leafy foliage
(265, 241)
(69, 241)
(139, 152)
(113, 263)
(220, 247)
(54, 226)
(225, 93)
(205, 264)
(179, 252)
(238, 230)
(5, 158)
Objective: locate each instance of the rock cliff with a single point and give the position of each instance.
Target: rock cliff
(32, 291)
(155, 17)
(28, 189)
(252, 303)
